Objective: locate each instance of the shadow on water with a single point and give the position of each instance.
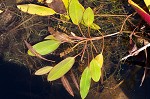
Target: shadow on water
(17, 83)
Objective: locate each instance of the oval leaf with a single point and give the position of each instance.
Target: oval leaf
(36, 9)
(100, 59)
(43, 70)
(61, 68)
(45, 47)
(75, 11)
(85, 83)
(95, 70)
(88, 16)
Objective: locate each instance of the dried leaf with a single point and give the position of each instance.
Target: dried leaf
(36, 9)
(62, 37)
(61, 69)
(43, 70)
(67, 85)
(57, 5)
(74, 80)
(34, 52)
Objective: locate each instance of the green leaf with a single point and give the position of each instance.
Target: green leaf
(147, 2)
(64, 17)
(50, 37)
(100, 59)
(36, 9)
(85, 83)
(88, 16)
(75, 11)
(45, 47)
(92, 26)
(66, 3)
(43, 70)
(1, 11)
(61, 69)
(95, 26)
(95, 70)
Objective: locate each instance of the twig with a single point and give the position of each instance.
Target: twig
(134, 53)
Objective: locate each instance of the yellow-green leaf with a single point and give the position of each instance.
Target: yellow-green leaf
(43, 70)
(36, 9)
(85, 83)
(61, 69)
(64, 17)
(147, 2)
(100, 59)
(1, 11)
(93, 26)
(95, 70)
(66, 3)
(88, 16)
(45, 47)
(75, 11)
(51, 37)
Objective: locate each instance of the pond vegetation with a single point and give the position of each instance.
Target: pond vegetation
(92, 47)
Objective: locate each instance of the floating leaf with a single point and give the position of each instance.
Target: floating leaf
(92, 26)
(43, 70)
(147, 2)
(95, 26)
(88, 16)
(36, 9)
(66, 3)
(140, 11)
(45, 47)
(85, 83)
(34, 52)
(95, 70)
(61, 68)
(75, 11)
(67, 86)
(51, 37)
(100, 59)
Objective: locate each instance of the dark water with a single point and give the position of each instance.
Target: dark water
(16, 82)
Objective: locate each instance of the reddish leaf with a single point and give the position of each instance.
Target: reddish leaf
(140, 11)
(74, 80)
(67, 85)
